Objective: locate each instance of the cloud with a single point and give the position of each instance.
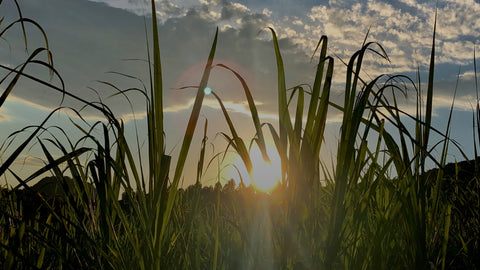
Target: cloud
(459, 19)
(4, 117)
(233, 10)
(404, 28)
(469, 75)
(408, 23)
(26, 161)
(111, 35)
(97, 37)
(267, 12)
(231, 107)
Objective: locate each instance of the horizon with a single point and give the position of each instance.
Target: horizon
(91, 38)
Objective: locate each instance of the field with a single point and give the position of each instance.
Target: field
(377, 207)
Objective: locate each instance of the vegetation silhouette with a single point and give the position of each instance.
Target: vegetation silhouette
(114, 212)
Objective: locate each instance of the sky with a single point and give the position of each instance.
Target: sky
(90, 39)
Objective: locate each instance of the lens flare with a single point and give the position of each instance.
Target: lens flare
(207, 90)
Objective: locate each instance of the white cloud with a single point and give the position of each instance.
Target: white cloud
(469, 75)
(407, 22)
(457, 19)
(230, 106)
(226, 27)
(465, 103)
(411, 3)
(458, 52)
(267, 12)
(381, 9)
(239, 7)
(297, 22)
(404, 30)
(211, 15)
(24, 102)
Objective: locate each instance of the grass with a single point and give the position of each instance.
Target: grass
(355, 215)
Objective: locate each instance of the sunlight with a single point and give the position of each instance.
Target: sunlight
(265, 176)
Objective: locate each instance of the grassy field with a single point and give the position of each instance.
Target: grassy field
(357, 215)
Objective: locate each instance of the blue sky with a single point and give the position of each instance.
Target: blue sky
(91, 38)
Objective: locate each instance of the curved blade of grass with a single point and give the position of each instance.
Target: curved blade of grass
(21, 147)
(192, 122)
(238, 142)
(345, 173)
(316, 86)
(254, 112)
(202, 154)
(14, 81)
(187, 139)
(224, 152)
(96, 105)
(22, 21)
(123, 93)
(56, 162)
(321, 115)
(285, 126)
(283, 113)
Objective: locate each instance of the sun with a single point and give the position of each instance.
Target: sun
(265, 176)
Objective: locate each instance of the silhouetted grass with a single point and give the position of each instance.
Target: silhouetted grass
(354, 216)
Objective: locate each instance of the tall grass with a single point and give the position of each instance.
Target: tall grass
(120, 238)
(356, 215)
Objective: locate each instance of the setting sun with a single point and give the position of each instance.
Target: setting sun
(265, 176)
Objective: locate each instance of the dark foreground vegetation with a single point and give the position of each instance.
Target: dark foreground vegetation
(113, 211)
(242, 220)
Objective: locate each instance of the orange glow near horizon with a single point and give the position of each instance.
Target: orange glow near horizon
(265, 176)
